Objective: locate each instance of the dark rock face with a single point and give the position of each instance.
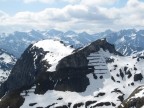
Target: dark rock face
(78, 105)
(64, 106)
(121, 74)
(79, 58)
(100, 94)
(116, 90)
(32, 104)
(12, 100)
(24, 73)
(121, 98)
(138, 77)
(51, 105)
(102, 104)
(89, 103)
(69, 79)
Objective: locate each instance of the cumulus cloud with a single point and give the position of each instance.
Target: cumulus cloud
(98, 2)
(86, 2)
(50, 1)
(44, 1)
(132, 14)
(87, 15)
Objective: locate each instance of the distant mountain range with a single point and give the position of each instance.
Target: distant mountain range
(17, 42)
(126, 41)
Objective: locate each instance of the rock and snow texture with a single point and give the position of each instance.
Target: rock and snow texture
(112, 81)
(56, 51)
(91, 77)
(7, 61)
(38, 58)
(135, 100)
(109, 85)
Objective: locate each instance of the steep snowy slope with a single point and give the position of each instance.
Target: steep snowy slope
(7, 61)
(90, 77)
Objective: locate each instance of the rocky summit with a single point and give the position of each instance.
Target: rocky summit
(50, 74)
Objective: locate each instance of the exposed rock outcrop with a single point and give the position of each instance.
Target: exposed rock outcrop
(135, 100)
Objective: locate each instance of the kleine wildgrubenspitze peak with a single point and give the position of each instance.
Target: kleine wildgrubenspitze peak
(50, 74)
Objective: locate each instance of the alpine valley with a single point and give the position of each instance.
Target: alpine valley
(52, 74)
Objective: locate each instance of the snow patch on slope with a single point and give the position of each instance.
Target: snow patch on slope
(7, 61)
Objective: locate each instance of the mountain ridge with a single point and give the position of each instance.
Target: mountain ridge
(95, 76)
(126, 41)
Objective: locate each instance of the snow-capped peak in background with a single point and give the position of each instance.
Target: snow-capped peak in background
(126, 41)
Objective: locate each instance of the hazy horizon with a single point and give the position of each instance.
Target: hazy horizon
(77, 15)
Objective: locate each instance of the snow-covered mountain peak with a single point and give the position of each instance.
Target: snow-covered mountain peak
(55, 49)
(126, 41)
(54, 46)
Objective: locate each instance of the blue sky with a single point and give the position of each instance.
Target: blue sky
(14, 6)
(77, 15)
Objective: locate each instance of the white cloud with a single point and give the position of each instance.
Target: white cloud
(43, 1)
(51, 1)
(132, 14)
(98, 2)
(86, 2)
(83, 16)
